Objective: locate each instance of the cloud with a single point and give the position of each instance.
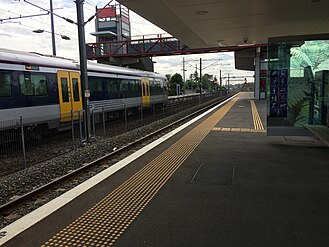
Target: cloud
(5, 35)
(19, 36)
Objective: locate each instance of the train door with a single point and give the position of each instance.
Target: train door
(146, 95)
(69, 92)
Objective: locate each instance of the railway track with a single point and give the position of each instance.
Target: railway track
(60, 185)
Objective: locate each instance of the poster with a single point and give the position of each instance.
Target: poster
(278, 92)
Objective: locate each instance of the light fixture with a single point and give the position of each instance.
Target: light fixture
(201, 12)
(38, 31)
(65, 37)
(44, 31)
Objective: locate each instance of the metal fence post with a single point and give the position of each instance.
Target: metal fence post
(23, 141)
(80, 127)
(85, 124)
(103, 117)
(126, 119)
(153, 109)
(94, 124)
(142, 113)
(72, 126)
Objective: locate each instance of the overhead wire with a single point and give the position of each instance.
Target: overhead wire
(211, 64)
(43, 22)
(64, 18)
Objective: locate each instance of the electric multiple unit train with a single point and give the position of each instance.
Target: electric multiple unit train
(36, 86)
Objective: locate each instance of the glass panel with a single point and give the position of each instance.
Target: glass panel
(134, 88)
(33, 84)
(5, 85)
(65, 90)
(143, 88)
(76, 95)
(40, 84)
(298, 83)
(124, 88)
(95, 84)
(25, 84)
(112, 88)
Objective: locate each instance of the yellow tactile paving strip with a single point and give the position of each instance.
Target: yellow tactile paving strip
(255, 116)
(258, 125)
(104, 223)
(239, 130)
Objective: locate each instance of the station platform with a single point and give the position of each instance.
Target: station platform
(220, 181)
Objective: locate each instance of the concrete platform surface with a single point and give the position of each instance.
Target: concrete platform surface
(236, 187)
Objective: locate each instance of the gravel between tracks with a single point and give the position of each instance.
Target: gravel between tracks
(24, 181)
(32, 177)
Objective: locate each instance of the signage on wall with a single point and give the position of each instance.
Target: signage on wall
(278, 92)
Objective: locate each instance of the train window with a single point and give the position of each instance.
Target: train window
(95, 84)
(65, 90)
(5, 85)
(153, 87)
(124, 88)
(76, 95)
(134, 88)
(158, 86)
(112, 88)
(33, 84)
(143, 89)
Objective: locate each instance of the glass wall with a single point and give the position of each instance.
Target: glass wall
(297, 82)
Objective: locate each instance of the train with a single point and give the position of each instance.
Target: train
(35, 86)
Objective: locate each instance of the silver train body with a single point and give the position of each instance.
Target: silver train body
(43, 88)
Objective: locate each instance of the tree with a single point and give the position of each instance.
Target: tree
(168, 76)
(189, 84)
(174, 80)
(207, 82)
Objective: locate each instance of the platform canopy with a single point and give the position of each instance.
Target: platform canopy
(210, 23)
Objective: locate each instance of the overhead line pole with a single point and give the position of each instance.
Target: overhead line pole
(52, 28)
(83, 65)
(200, 86)
(183, 69)
(228, 83)
(220, 83)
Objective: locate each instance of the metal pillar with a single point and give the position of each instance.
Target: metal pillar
(183, 69)
(52, 28)
(257, 73)
(83, 65)
(228, 83)
(200, 86)
(220, 83)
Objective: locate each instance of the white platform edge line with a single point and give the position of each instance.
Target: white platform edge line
(37, 215)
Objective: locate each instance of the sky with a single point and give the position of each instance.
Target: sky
(17, 34)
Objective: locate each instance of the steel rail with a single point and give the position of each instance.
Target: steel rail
(42, 189)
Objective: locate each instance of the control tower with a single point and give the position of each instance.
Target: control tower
(113, 24)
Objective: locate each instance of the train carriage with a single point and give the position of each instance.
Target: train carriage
(41, 87)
